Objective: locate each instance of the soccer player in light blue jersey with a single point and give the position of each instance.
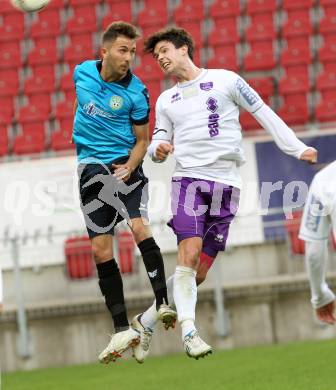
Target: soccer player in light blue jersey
(111, 138)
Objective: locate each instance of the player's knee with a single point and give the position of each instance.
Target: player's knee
(101, 253)
(191, 257)
(140, 233)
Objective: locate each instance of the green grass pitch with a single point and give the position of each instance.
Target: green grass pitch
(299, 366)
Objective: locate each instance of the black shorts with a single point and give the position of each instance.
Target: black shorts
(105, 201)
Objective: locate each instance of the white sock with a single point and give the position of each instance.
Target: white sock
(170, 291)
(185, 297)
(187, 326)
(150, 317)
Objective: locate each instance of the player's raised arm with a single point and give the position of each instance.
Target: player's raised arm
(283, 136)
(123, 171)
(161, 144)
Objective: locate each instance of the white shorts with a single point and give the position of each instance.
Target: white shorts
(319, 216)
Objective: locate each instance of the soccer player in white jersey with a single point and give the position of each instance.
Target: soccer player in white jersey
(319, 218)
(198, 121)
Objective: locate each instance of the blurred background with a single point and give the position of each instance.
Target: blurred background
(257, 292)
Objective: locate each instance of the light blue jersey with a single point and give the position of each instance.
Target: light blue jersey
(106, 112)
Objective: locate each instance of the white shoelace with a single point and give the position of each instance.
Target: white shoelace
(146, 339)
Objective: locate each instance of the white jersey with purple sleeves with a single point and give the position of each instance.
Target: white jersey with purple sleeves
(201, 118)
(319, 215)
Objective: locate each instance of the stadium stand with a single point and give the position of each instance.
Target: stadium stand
(290, 42)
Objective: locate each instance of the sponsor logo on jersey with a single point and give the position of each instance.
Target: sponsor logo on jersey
(92, 110)
(212, 104)
(175, 97)
(246, 92)
(314, 215)
(206, 86)
(116, 102)
(213, 118)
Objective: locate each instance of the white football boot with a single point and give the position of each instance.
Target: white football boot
(195, 347)
(118, 344)
(167, 315)
(141, 350)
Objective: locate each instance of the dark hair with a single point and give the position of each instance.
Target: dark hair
(177, 36)
(115, 29)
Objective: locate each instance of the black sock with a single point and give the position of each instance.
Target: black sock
(111, 286)
(153, 261)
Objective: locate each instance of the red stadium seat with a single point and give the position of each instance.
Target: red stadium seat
(79, 48)
(327, 79)
(76, 3)
(260, 57)
(328, 22)
(83, 21)
(297, 52)
(261, 28)
(4, 140)
(145, 32)
(327, 53)
(194, 28)
(295, 79)
(66, 82)
(117, 11)
(42, 81)
(264, 86)
(154, 13)
(326, 109)
(57, 4)
(224, 8)
(64, 108)
(260, 6)
(294, 110)
(36, 110)
(10, 54)
(7, 8)
(248, 122)
(224, 57)
(47, 24)
(12, 27)
(154, 90)
(324, 3)
(148, 69)
(9, 82)
(189, 11)
(224, 31)
(7, 110)
(45, 52)
(297, 4)
(298, 23)
(78, 258)
(60, 140)
(32, 139)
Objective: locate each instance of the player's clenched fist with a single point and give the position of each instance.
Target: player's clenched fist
(309, 155)
(163, 150)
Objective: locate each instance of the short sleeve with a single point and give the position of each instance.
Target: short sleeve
(140, 111)
(244, 95)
